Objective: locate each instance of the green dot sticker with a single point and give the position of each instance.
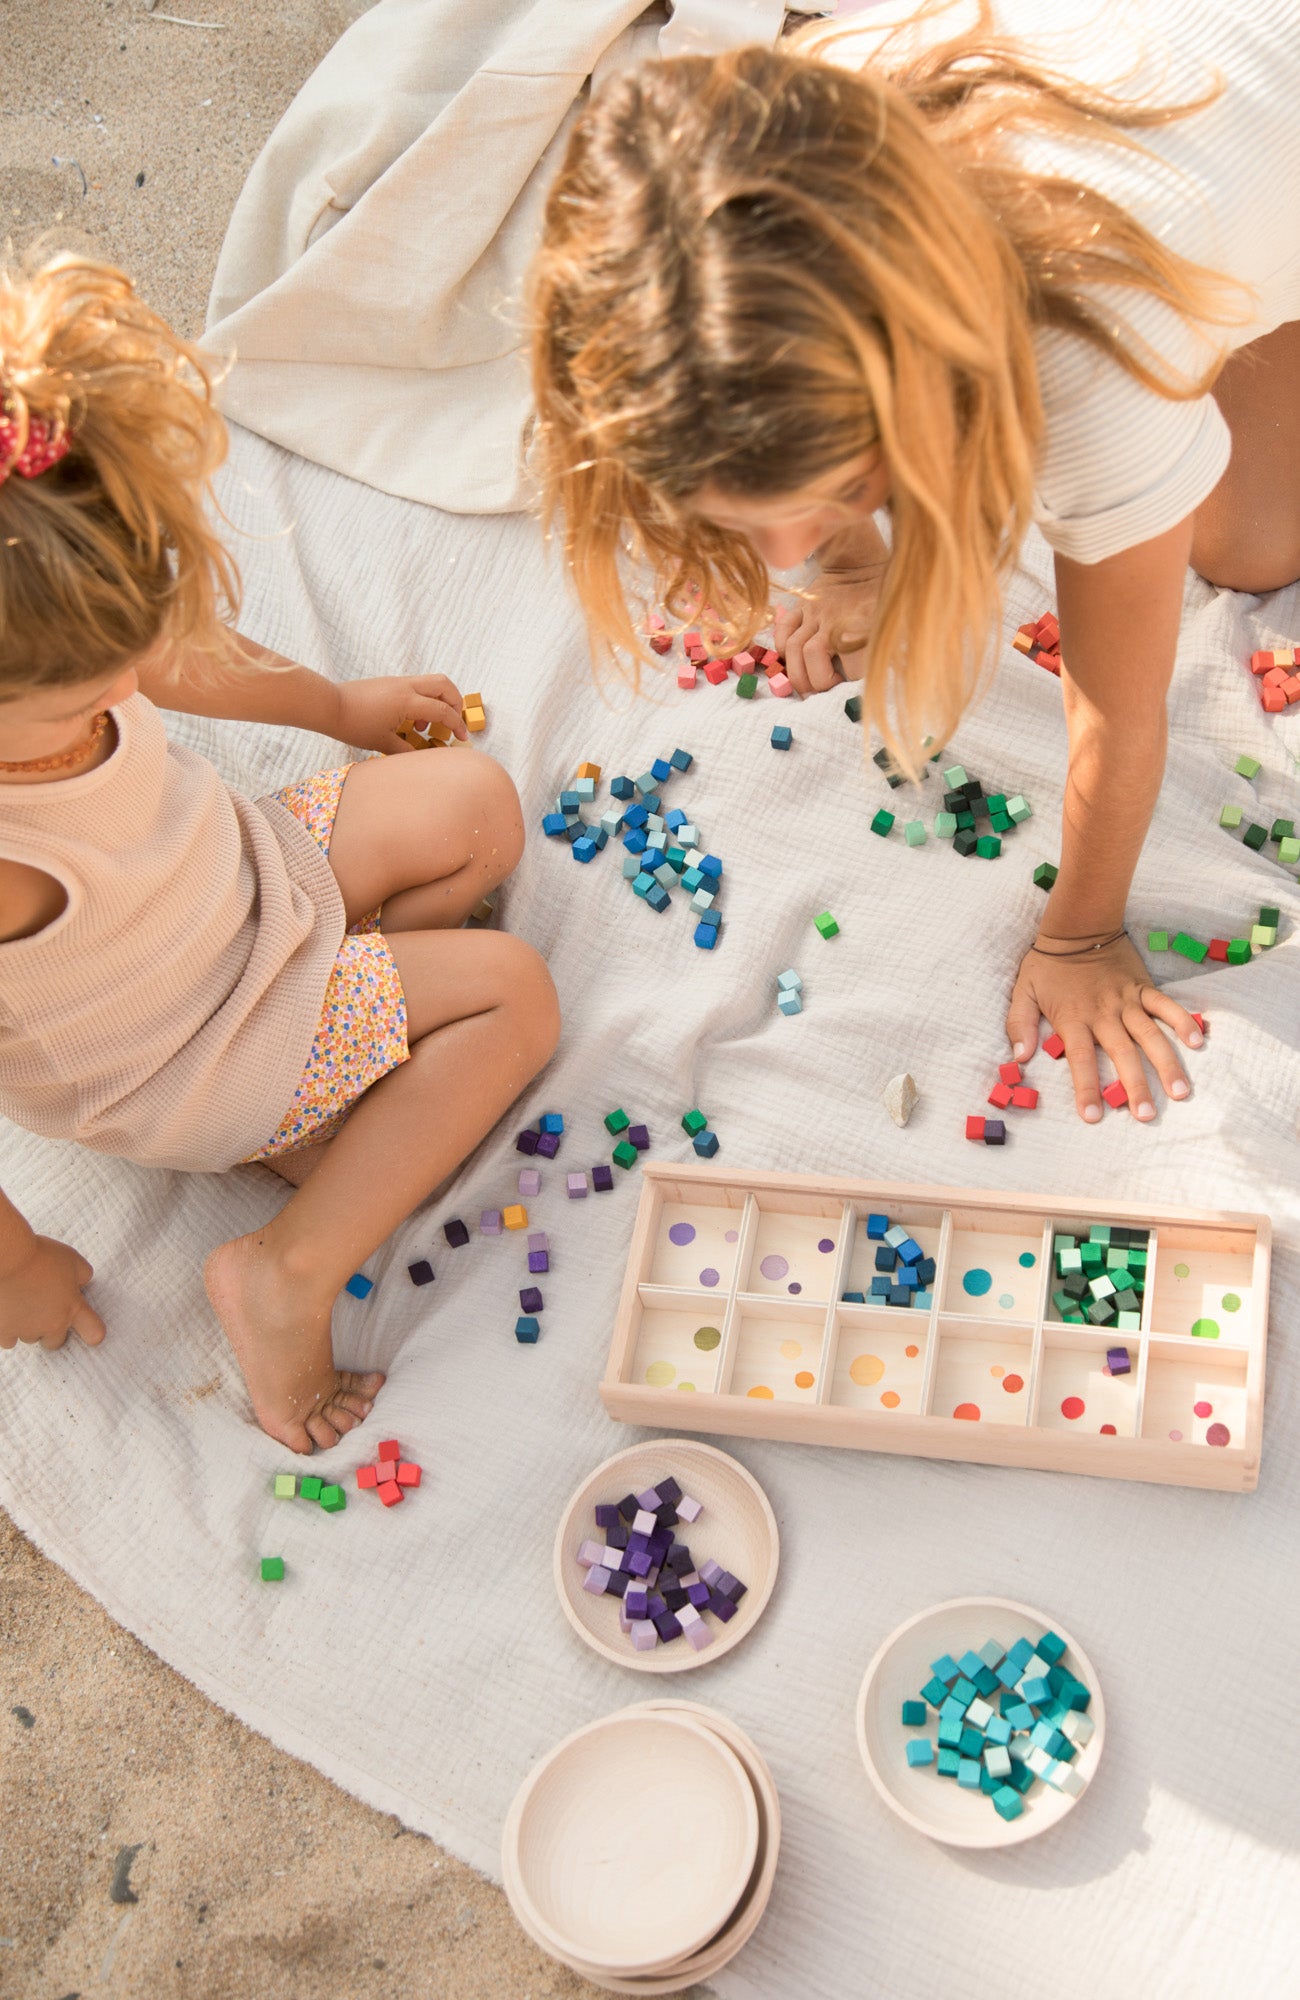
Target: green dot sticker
(1230, 1302)
(1206, 1329)
(659, 1374)
(687, 1386)
(707, 1338)
(1182, 1270)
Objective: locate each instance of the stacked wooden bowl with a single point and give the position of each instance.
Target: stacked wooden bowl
(641, 1851)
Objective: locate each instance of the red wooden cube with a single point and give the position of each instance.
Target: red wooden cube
(1010, 1072)
(1200, 1022)
(715, 672)
(1219, 948)
(1054, 1047)
(1000, 1095)
(1115, 1094)
(1024, 1097)
(975, 1129)
(661, 643)
(390, 1492)
(389, 1449)
(367, 1476)
(408, 1475)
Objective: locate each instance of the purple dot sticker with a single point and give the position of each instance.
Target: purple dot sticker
(794, 1288)
(774, 1266)
(732, 1236)
(827, 1243)
(708, 1276)
(682, 1232)
(1175, 1437)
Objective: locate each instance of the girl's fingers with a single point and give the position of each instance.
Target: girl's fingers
(87, 1325)
(820, 664)
(1127, 1058)
(1163, 1007)
(1023, 1017)
(1157, 1049)
(443, 713)
(794, 661)
(53, 1341)
(438, 687)
(1081, 1054)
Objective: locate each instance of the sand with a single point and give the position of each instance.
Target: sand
(151, 1845)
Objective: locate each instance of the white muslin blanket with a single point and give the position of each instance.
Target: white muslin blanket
(420, 1658)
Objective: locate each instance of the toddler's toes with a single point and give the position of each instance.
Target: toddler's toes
(323, 1432)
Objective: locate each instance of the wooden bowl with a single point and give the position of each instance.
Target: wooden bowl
(934, 1805)
(629, 1846)
(737, 1528)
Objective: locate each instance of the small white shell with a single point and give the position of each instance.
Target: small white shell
(899, 1098)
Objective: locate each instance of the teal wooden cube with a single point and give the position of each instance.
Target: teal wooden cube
(971, 1743)
(968, 1773)
(920, 1751)
(1007, 1802)
(998, 1731)
(950, 1734)
(964, 1691)
(946, 1763)
(914, 1714)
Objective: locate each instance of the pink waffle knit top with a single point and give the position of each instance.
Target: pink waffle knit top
(167, 1013)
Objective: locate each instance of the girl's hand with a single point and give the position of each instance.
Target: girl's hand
(371, 712)
(1105, 1001)
(41, 1300)
(810, 635)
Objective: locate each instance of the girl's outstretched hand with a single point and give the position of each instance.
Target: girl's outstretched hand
(371, 712)
(41, 1300)
(806, 634)
(1105, 1001)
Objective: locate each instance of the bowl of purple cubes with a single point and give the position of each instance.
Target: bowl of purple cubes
(980, 1723)
(666, 1556)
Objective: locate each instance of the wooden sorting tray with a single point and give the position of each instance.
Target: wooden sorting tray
(731, 1320)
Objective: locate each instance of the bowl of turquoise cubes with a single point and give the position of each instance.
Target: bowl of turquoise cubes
(980, 1722)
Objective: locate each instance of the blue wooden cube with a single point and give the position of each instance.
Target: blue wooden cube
(876, 1227)
(782, 737)
(968, 1774)
(527, 1328)
(706, 1144)
(681, 760)
(360, 1286)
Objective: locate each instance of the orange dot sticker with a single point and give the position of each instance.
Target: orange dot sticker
(864, 1369)
(997, 1373)
(804, 1379)
(764, 1394)
(791, 1350)
(891, 1399)
(1013, 1384)
(971, 1412)
(911, 1352)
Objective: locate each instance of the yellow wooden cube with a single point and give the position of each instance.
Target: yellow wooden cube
(516, 1216)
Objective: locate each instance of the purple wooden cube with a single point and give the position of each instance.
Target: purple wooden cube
(526, 1142)
(627, 1506)
(602, 1179)
(644, 1636)
(1117, 1360)
(577, 1187)
(730, 1586)
(721, 1607)
(699, 1594)
(421, 1272)
(607, 1515)
(456, 1233)
(548, 1145)
(710, 1571)
(638, 1136)
(590, 1553)
(538, 1263)
(530, 1299)
(995, 1132)
(675, 1598)
(618, 1583)
(596, 1581)
(688, 1509)
(648, 1499)
(619, 1536)
(638, 1562)
(539, 1240)
(637, 1600)
(666, 1625)
(678, 1559)
(669, 1492)
(655, 1606)
(530, 1181)
(490, 1222)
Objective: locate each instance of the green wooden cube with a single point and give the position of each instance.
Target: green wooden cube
(1044, 875)
(988, 846)
(945, 825)
(1269, 916)
(883, 823)
(273, 1569)
(1288, 851)
(1255, 836)
(286, 1485)
(853, 708)
(1282, 829)
(1262, 936)
(747, 686)
(333, 1499)
(1246, 767)
(826, 923)
(693, 1122)
(914, 833)
(625, 1153)
(1190, 947)
(1238, 951)
(311, 1486)
(955, 777)
(1019, 808)
(1157, 940)
(1230, 816)
(617, 1121)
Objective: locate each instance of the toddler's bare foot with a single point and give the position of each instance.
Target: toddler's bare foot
(281, 1337)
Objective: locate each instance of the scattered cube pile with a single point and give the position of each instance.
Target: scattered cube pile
(748, 666)
(696, 1127)
(661, 850)
(434, 737)
(1277, 670)
(664, 1596)
(1036, 1731)
(393, 1477)
(1100, 1277)
(1040, 639)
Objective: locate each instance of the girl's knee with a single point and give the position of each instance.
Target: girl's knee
(529, 995)
(496, 816)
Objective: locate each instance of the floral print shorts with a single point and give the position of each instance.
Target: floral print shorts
(362, 1032)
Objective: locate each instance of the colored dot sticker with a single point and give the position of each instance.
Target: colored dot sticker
(1203, 1409)
(762, 1393)
(1108, 1431)
(1230, 1302)
(707, 1338)
(827, 1243)
(1206, 1329)
(687, 1385)
(864, 1369)
(1182, 1270)
(708, 1276)
(1006, 1301)
(1175, 1437)
(1027, 1260)
(1217, 1434)
(1072, 1407)
(804, 1379)
(659, 1374)
(732, 1236)
(791, 1350)
(891, 1399)
(969, 1411)
(774, 1266)
(682, 1233)
(997, 1373)
(794, 1288)
(976, 1282)
(1013, 1384)
(911, 1351)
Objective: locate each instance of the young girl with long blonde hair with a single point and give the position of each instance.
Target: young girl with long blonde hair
(951, 268)
(190, 978)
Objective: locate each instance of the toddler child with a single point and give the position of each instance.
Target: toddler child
(190, 978)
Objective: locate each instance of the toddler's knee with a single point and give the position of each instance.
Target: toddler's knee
(499, 815)
(533, 1002)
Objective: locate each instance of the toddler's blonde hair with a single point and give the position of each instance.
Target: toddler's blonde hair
(758, 266)
(110, 550)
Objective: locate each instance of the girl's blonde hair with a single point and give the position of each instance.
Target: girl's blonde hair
(759, 266)
(110, 550)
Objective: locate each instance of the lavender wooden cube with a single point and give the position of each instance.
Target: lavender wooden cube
(539, 1240)
(591, 1553)
(527, 1141)
(576, 1185)
(644, 1636)
(710, 1571)
(648, 1499)
(688, 1509)
(638, 1136)
(697, 1632)
(548, 1145)
(730, 1586)
(596, 1581)
(624, 1622)
(602, 1179)
(530, 1181)
(490, 1222)
(530, 1299)
(643, 1523)
(637, 1561)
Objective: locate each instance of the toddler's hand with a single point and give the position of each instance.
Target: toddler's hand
(41, 1300)
(1103, 1001)
(371, 712)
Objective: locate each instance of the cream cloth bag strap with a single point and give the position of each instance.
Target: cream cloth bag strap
(369, 288)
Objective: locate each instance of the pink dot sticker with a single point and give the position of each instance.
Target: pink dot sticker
(1203, 1409)
(1218, 1434)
